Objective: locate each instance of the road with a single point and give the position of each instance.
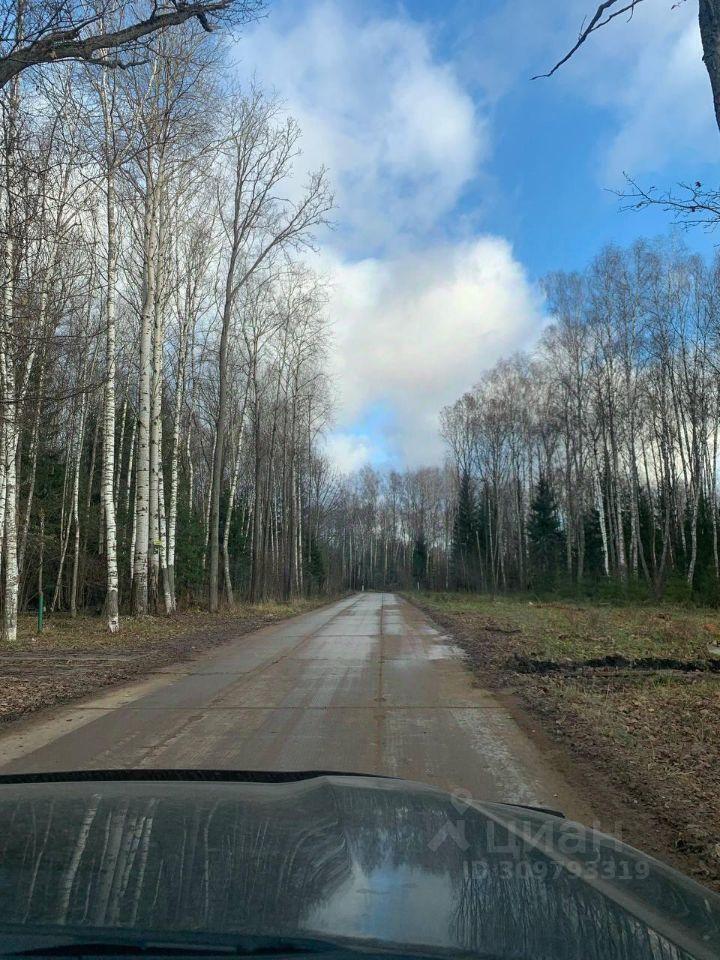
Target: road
(367, 684)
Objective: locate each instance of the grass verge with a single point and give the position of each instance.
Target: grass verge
(650, 734)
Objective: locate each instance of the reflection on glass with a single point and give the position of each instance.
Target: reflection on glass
(332, 858)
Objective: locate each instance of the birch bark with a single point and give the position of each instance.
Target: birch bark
(108, 477)
(142, 470)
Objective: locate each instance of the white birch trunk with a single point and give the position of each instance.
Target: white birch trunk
(128, 478)
(231, 501)
(228, 520)
(603, 529)
(10, 438)
(162, 541)
(142, 473)
(108, 478)
(174, 458)
(34, 443)
(76, 507)
(158, 340)
(9, 413)
(120, 451)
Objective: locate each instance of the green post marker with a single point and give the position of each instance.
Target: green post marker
(41, 610)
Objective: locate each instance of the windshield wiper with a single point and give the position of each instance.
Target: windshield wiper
(195, 946)
(255, 947)
(74, 949)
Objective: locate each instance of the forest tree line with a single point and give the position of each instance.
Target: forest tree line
(163, 340)
(164, 386)
(589, 463)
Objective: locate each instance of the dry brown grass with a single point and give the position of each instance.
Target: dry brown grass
(74, 657)
(582, 630)
(63, 632)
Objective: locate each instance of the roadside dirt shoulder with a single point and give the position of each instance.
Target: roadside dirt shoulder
(75, 658)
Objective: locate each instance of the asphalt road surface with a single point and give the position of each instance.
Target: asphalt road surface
(367, 684)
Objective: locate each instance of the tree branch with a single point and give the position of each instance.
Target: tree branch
(602, 16)
(67, 42)
(692, 205)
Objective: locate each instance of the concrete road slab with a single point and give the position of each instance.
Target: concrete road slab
(366, 685)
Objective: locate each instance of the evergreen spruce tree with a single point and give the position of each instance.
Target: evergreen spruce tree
(705, 585)
(594, 557)
(316, 564)
(545, 535)
(464, 538)
(419, 560)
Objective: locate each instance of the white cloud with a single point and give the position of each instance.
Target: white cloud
(665, 108)
(350, 451)
(398, 132)
(417, 318)
(416, 331)
(647, 72)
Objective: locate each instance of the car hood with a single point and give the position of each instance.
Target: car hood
(355, 859)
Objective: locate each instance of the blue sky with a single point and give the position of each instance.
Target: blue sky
(461, 182)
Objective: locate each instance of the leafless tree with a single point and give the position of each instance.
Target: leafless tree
(258, 224)
(104, 33)
(692, 203)
(160, 345)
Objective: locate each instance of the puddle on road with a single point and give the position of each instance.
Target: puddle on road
(444, 651)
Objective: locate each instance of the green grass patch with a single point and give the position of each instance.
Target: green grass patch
(581, 630)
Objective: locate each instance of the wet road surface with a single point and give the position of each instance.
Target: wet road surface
(367, 684)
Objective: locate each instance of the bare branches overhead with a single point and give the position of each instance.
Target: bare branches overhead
(691, 204)
(108, 33)
(607, 11)
(709, 22)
